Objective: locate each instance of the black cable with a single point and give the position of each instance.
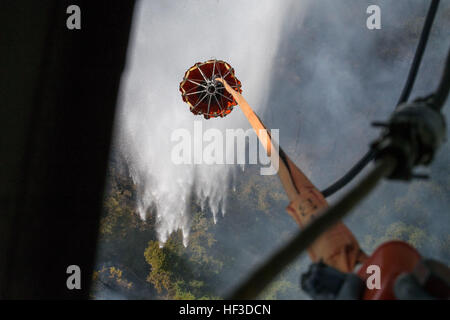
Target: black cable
(419, 52)
(370, 155)
(350, 175)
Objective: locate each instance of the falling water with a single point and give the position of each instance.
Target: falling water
(168, 38)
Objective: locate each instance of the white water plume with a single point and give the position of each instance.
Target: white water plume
(168, 38)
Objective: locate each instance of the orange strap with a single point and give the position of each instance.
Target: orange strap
(337, 246)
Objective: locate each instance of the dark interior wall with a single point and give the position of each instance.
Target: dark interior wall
(58, 90)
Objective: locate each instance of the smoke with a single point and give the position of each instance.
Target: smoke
(311, 69)
(168, 38)
(336, 76)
